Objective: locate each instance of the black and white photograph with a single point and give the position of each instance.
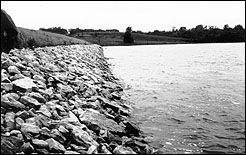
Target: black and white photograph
(122, 77)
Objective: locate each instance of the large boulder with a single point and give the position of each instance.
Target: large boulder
(97, 121)
(9, 32)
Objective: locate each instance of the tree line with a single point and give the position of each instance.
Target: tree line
(199, 34)
(206, 34)
(60, 30)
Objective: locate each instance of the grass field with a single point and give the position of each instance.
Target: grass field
(38, 38)
(116, 38)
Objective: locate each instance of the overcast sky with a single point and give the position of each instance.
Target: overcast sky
(140, 15)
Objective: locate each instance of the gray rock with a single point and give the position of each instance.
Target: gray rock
(31, 120)
(39, 143)
(23, 114)
(9, 102)
(44, 110)
(7, 86)
(63, 130)
(71, 152)
(14, 95)
(105, 150)
(71, 118)
(55, 146)
(92, 150)
(123, 150)
(15, 132)
(42, 120)
(31, 102)
(26, 73)
(10, 144)
(57, 136)
(42, 151)
(37, 96)
(27, 148)
(39, 77)
(7, 63)
(66, 91)
(13, 70)
(18, 122)
(132, 127)
(96, 121)
(10, 121)
(80, 149)
(28, 130)
(24, 85)
(45, 132)
(82, 137)
(16, 77)
(4, 76)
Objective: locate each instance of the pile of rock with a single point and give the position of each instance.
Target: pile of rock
(65, 99)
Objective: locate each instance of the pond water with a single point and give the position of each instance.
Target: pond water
(189, 98)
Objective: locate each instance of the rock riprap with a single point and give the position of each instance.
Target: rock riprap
(65, 99)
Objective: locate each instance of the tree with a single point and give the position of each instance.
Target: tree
(128, 36)
(58, 30)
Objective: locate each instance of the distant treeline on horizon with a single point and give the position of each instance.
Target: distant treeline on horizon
(199, 34)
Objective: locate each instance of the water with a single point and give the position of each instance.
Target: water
(189, 98)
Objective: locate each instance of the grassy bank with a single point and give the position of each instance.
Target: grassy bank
(116, 39)
(38, 38)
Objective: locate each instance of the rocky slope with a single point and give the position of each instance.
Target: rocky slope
(65, 99)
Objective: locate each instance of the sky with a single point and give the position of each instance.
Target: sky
(140, 15)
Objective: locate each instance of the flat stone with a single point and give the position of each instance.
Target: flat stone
(37, 96)
(42, 151)
(31, 120)
(40, 143)
(123, 150)
(96, 121)
(63, 130)
(29, 129)
(16, 77)
(80, 149)
(13, 70)
(7, 86)
(132, 127)
(71, 152)
(57, 136)
(7, 63)
(45, 132)
(10, 144)
(105, 150)
(10, 121)
(82, 137)
(55, 146)
(24, 85)
(22, 114)
(71, 118)
(18, 122)
(42, 120)
(27, 148)
(44, 110)
(66, 91)
(31, 102)
(14, 95)
(9, 102)
(39, 77)
(92, 150)
(15, 132)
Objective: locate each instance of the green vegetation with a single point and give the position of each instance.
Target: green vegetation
(58, 30)
(116, 38)
(207, 34)
(128, 36)
(199, 34)
(38, 38)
